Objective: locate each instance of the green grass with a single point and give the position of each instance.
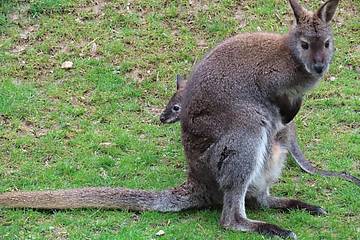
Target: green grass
(97, 124)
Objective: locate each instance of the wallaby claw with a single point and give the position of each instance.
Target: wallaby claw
(319, 211)
(292, 236)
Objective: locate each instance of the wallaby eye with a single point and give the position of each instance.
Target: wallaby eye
(176, 108)
(327, 43)
(304, 45)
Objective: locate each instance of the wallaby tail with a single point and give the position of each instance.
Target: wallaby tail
(177, 199)
(309, 168)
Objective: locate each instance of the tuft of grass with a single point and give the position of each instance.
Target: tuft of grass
(16, 98)
(5, 9)
(97, 123)
(38, 7)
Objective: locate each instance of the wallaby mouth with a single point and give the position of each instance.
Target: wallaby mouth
(163, 118)
(319, 69)
(166, 120)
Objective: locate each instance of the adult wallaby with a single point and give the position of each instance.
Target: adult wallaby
(237, 100)
(171, 114)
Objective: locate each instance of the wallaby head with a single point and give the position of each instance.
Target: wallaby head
(172, 110)
(311, 37)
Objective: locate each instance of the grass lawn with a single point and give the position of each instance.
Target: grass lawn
(97, 124)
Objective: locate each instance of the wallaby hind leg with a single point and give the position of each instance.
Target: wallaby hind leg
(237, 159)
(271, 171)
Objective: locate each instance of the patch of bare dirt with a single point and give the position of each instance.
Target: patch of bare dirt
(345, 11)
(89, 48)
(347, 127)
(24, 35)
(98, 7)
(84, 101)
(155, 110)
(240, 16)
(23, 42)
(20, 14)
(14, 16)
(59, 233)
(64, 47)
(199, 5)
(4, 120)
(28, 128)
(68, 46)
(311, 183)
(19, 48)
(201, 43)
(137, 74)
(95, 9)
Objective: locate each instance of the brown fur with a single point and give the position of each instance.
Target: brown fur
(287, 137)
(229, 123)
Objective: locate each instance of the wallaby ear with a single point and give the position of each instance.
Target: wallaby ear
(297, 9)
(327, 10)
(180, 82)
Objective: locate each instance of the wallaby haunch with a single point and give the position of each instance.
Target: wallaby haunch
(171, 114)
(236, 102)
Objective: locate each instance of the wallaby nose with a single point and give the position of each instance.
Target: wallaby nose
(162, 118)
(319, 67)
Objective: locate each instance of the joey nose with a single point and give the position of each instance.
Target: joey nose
(319, 67)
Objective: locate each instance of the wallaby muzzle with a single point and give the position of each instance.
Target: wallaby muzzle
(319, 67)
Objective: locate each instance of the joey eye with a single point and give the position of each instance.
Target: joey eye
(327, 44)
(176, 108)
(304, 45)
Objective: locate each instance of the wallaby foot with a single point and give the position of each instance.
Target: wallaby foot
(247, 225)
(233, 217)
(288, 204)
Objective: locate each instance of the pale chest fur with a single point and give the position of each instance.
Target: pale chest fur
(271, 169)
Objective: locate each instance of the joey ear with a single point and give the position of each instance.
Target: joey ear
(327, 10)
(180, 82)
(297, 9)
